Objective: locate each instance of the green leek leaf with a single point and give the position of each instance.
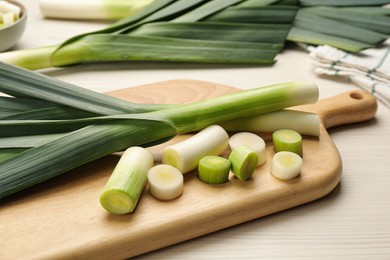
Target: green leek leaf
(238, 32)
(308, 21)
(310, 37)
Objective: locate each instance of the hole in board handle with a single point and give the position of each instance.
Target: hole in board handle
(355, 95)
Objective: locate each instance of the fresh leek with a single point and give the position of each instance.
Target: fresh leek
(214, 169)
(128, 180)
(138, 37)
(91, 9)
(165, 182)
(286, 165)
(287, 140)
(108, 134)
(244, 162)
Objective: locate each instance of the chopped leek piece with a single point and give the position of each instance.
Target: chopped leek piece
(287, 140)
(253, 141)
(186, 155)
(244, 162)
(128, 180)
(214, 169)
(286, 165)
(165, 182)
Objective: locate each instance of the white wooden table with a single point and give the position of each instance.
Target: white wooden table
(353, 221)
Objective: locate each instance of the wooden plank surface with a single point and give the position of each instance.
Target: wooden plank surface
(62, 218)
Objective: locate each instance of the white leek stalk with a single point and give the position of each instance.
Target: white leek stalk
(91, 9)
(214, 169)
(287, 140)
(253, 141)
(185, 156)
(165, 182)
(304, 123)
(128, 180)
(286, 165)
(244, 162)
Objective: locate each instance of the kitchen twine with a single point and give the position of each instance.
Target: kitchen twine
(370, 69)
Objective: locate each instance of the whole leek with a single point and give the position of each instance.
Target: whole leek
(138, 37)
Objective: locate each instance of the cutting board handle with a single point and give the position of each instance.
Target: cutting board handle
(349, 107)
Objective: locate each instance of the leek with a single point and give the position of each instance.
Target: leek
(91, 9)
(109, 134)
(287, 140)
(286, 165)
(185, 156)
(180, 36)
(244, 162)
(214, 169)
(128, 180)
(304, 123)
(165, 182)
(255, 142)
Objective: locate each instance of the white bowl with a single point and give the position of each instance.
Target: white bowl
(11, 34)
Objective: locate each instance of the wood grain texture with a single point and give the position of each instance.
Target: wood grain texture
(62, 218)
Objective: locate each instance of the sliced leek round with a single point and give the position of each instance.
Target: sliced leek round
(165, 182)
(286, 165)
(253, 141)
(244, 162)
(214, 169)
(287, 140)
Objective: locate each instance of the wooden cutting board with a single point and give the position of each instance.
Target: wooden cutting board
(62, 218)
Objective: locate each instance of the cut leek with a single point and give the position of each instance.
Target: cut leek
(128, 180)
(253, 141)
(287, 140)
(165, 182)
(286, 165)
(186, 155)
(244, 162)
(214, 169)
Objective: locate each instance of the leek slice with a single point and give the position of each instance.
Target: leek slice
(287, 140)
(185, 156)
(128, 180)
(286, 165)
(165, 182)
(244, 162)
(214, 169)
(253, 141)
